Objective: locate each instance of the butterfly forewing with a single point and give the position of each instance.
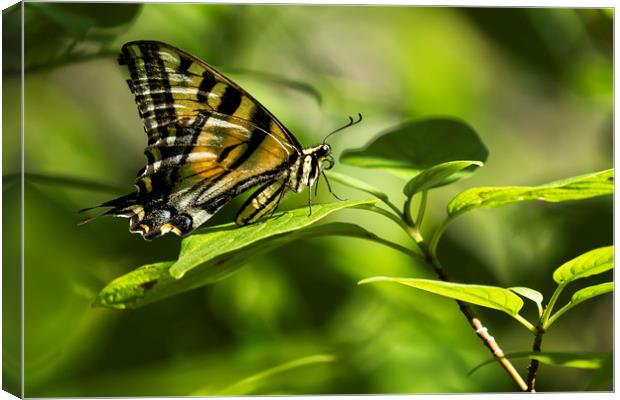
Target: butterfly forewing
(208, 140)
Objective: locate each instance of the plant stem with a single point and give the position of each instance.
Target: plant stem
(533, 367)
(429, 255)
(474, 321)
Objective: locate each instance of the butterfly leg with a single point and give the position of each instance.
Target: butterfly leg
(329, 187)
(309, 201)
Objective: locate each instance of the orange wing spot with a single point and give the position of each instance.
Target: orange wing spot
(207, 170)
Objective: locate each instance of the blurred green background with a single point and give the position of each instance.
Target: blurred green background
(535, 83)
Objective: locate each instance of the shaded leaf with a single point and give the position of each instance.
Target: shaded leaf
(485, 296)
(576, 188)
(440, 174)
(299, 86)
(154, 282)
(225, 239)
(410, 148)
(357, 184)
(250, 384)
(593, 262)
(560, 359)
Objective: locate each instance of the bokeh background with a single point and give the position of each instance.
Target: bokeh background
(536, 84)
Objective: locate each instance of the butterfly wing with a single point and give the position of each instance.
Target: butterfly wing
(208, 140)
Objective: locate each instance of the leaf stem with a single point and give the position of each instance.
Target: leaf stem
(409, 230)
(421, 209)
(544, 320)
(526, 323)
(432, 248)
(555, 316)
(397, 247)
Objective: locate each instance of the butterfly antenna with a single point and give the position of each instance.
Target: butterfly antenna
(348, 124)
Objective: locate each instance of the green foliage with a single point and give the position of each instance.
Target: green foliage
(486, 296)
(413, 147)
(591, 263)
(302, 298)
(577, 188)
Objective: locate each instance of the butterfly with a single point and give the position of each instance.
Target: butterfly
(208, 141)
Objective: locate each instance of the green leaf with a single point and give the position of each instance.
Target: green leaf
(560, 359)
(200, 248)
(250, 384)
(154, 282)
(580, 296)
(530, 294)
(593, 262)
(440, 174)
(485, 296)
(576, 188)
(357, 184)
(410, 148)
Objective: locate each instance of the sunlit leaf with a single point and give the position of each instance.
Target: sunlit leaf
(200, 248)
(410, 148)
(440, 174)
(590, 292)
(154, 282)
(560, 359)
(593, 262)
(576, 188)
(485, 296)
